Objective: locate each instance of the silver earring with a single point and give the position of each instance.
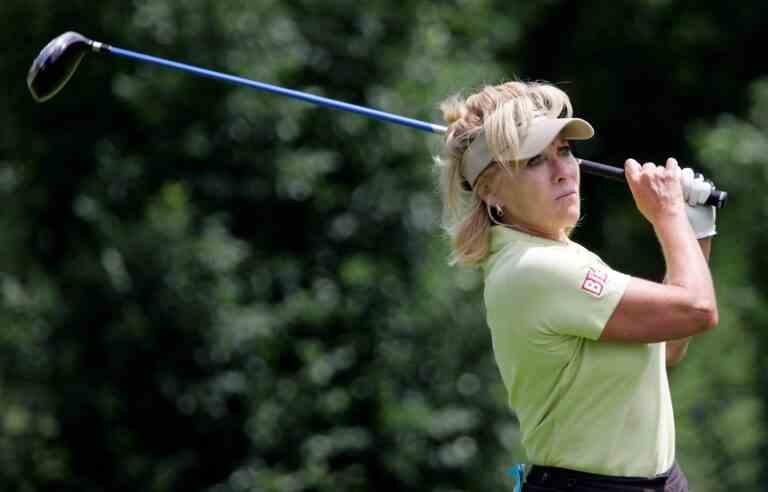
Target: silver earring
(499, 210)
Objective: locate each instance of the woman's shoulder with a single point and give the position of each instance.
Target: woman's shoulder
(532, 263)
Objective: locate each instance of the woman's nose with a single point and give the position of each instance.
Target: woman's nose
(563, 169)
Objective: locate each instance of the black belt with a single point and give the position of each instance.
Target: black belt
(562, 478)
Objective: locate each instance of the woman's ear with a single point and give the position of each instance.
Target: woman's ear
(486, 187)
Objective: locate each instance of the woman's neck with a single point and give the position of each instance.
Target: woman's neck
(559, 236)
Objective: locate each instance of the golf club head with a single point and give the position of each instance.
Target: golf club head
(55, 64)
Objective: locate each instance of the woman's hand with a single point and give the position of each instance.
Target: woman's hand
(657, 190)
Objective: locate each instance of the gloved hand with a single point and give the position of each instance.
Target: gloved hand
(702, 219)
(695, 191)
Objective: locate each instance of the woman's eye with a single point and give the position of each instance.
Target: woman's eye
(565, 151)
(535, 161)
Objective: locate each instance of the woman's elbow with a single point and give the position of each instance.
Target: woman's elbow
(706, 314)
(713, 319)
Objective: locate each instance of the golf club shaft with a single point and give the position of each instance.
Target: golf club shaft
(303, 96)
(717, 197)
(604, 170)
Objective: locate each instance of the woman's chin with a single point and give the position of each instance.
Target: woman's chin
(571, 216)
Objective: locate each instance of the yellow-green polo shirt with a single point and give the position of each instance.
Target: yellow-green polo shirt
(599, 407)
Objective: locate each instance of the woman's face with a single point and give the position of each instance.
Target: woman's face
(543, 196)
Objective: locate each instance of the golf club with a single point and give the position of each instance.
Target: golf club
(58, 60)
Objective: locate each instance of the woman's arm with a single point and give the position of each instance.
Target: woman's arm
(684, 306)
(676, 349)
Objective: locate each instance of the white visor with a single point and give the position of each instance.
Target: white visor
(538, 135)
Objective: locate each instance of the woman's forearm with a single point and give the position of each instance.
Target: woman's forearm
(687, 267)
(677, 349)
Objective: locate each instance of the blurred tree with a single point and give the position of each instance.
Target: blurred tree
(724, 412)
(207, 288)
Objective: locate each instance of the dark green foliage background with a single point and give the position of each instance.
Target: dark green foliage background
(203, 287)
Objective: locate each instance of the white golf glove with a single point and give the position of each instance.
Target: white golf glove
(695, 192)
(702, 219)
(696, 189)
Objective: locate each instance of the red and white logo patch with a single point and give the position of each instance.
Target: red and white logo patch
(594, 282)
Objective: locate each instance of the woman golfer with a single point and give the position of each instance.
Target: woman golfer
(582, 348)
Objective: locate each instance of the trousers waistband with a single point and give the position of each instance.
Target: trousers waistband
(553, 476)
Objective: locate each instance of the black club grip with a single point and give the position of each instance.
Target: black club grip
(717, 198)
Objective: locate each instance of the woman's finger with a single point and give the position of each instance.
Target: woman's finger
(631, 169)
(673, 167)
(649, 166)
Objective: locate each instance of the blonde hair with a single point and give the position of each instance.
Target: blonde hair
(501, 112)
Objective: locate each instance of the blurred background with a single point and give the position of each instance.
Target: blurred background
(208, 288)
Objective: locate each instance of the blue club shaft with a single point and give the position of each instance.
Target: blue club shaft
(303, 96)
(717, 197)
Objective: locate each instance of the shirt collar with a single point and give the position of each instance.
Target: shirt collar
(502, 236)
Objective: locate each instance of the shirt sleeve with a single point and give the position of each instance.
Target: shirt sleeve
(568, 293)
